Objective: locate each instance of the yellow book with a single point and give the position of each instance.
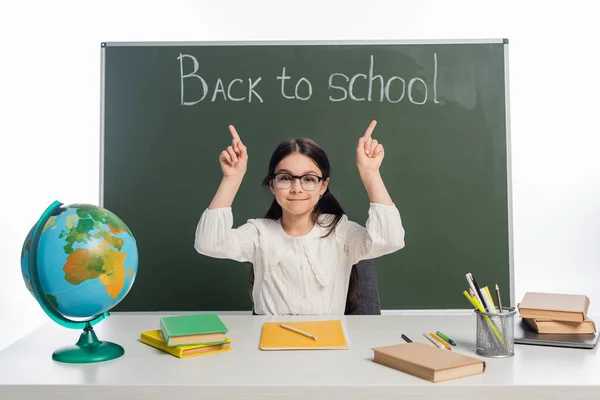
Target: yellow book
(330, 335)
(154, 338)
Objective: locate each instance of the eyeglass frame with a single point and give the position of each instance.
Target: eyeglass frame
(320, 179)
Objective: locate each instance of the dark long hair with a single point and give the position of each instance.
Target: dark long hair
(327, 204)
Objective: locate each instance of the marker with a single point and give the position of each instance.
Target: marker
(406, 338)
(446, 338)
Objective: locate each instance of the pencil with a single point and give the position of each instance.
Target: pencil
(308, 335)
(438, 345)
(498, 296)
(446, 345)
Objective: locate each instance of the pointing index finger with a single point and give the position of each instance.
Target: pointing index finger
(234, 133)
(369, 130)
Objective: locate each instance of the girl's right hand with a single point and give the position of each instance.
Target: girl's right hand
(234, 159)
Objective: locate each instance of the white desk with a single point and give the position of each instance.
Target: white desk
(28, 372)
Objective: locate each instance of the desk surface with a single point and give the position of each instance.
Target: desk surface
(27, 370)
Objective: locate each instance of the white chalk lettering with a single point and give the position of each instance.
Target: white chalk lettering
(283, 77)
(229, 90)
(190, 75)
(410, 87)
(371, 78)
(309, 89)
(350, 87)
(251, 90)
(435, 100)
(332, 86)
(219, 88)
(219, 91)
(387, 89)
(194, 88)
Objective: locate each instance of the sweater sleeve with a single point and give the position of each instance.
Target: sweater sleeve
(383, 234)
(216, 237)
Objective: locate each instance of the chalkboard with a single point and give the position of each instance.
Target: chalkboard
(442, 112)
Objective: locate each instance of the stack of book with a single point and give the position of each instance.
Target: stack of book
(557, 313)
(189, 335)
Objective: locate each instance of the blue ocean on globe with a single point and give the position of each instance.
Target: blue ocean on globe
(87, 260)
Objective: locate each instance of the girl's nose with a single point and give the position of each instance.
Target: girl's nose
(296, 187)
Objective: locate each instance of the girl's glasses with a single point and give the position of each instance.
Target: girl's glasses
(309, 182)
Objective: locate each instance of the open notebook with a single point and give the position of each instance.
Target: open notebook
(330, 335)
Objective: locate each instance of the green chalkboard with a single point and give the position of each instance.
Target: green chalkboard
(442, 116)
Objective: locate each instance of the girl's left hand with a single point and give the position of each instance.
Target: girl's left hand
(369, 153)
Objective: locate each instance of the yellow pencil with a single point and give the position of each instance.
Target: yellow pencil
(478, 306)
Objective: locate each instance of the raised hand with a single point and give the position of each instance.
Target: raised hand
(369, 153)
(234, 159)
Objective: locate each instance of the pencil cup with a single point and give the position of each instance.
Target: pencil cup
(495, 333)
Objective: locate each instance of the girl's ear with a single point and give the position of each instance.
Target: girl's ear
(324, 186)
(271, 186)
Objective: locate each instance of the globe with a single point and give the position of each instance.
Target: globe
(79, 261)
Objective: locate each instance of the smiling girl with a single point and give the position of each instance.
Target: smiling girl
(303, 250)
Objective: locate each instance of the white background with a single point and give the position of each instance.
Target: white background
(50, 91)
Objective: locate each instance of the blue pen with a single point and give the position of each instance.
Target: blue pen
(446, 338)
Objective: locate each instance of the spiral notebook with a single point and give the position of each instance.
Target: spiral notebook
(331, 335)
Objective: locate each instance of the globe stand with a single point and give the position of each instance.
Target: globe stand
(88, 349)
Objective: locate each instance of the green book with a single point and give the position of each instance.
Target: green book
(184, 330)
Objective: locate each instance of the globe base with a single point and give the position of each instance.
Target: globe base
(88, 349)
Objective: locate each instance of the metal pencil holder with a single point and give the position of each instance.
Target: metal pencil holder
(495, 333)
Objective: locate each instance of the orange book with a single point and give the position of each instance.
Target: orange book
(330, 335)
(428, 362)
(554, 306)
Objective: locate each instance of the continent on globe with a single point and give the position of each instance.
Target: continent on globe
(99, 261)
